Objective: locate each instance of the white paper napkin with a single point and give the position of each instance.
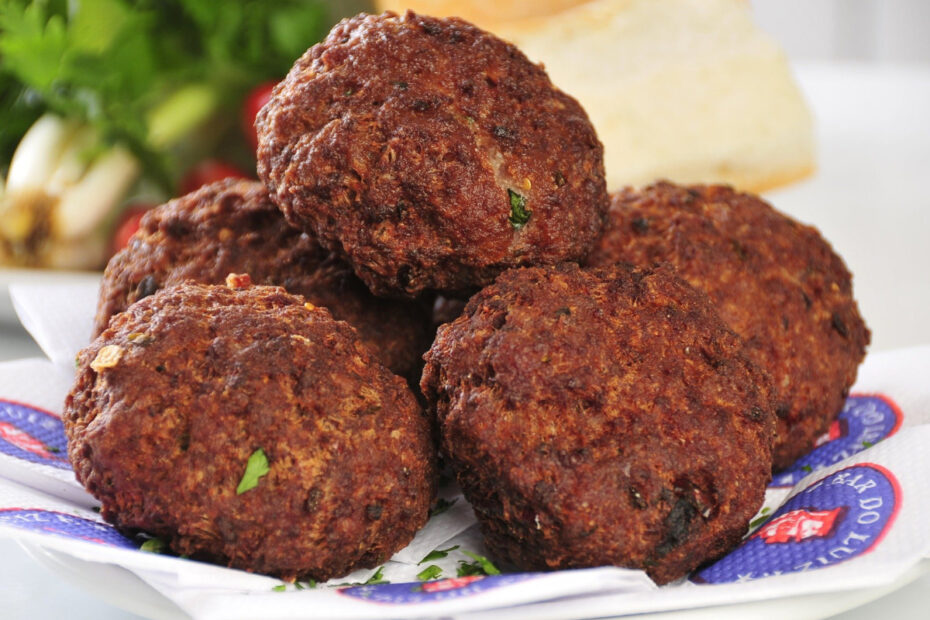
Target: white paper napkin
(850, 514)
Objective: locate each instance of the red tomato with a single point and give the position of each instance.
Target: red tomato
(254, 102)
(209, 171)
(128, 225)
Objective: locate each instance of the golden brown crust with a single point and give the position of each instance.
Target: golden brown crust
(233, 227)
(777, 283)
(191, 381)
(601, 417)
(403, 143)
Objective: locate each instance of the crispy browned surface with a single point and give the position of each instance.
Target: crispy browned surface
(397, 139)
(233, 227)
(776, 282)
(601, 417)
(202, 377)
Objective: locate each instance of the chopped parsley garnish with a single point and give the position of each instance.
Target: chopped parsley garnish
(762, 518)
(441, 506)
(377, 578)
(437, 554)
(279, 588)
(430, 572)
(467, 570)
(519, 214)
(153, 545)
(867, 444)
(808, 468)
(480, 566)
(758, 521)
(254, 469)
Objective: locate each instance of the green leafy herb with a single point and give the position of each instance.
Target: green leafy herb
(306, 585)
(467, 569)
(519, 214)
(807, 468)
(485, 563)
(256, 467)
(279, 588)
(867, 444)
(119, 64)
(377, 578)
(153, 545)
(480, 566)
(437, 554)
(441, 506)
(430, 572)
(758, 521)
(762, 518)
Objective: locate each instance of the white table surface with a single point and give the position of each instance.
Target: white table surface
(870, 197)
(28, 590)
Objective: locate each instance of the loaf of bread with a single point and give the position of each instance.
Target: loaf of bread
(686, 90)
(485, 13)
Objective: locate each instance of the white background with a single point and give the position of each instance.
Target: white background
(881, 31)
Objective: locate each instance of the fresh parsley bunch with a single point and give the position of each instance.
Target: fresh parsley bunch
(163, 77)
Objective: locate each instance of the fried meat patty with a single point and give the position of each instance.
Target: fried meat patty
(603, 417)
(431, 155)
(233, 227)
(176, 397)
(776, 282)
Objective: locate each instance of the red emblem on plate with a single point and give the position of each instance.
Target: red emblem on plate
(23, 440)
(837, 430)
(799, 525)
(450, 584)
